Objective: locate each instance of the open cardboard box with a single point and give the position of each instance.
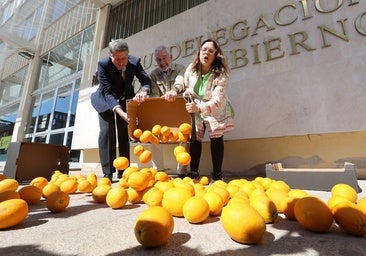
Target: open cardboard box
(156, 111)
(26, 161)
(314, 179)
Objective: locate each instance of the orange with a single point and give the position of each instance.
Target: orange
(39, 182)
(184, 158)
(281, 185)
(84, 186)
(173, 136)
(214, 201)
(2, 176)
(6, 195)
(134, 196)
(243, 223)
(344, 190)
(185, 128)
(196, 209)
(186, 185)
(49, 189)
(179, 149)
(100, 192)
(146, 136)
(350, 219)
(128, 171)
(104, 181)
(12, 212)
(145, 156)
(164, 185)
(238, 200)
(154, 139)
(116, 197)
(153, 197)
(165, 130)
(247, 187)
(298, 193)
(31, 194)
(137, 150)
(225, 195)
(138, 180)
(174, 199)
(156, 129)
(232, 189)
(288, 205)
(121, 163)
(154, 227)
(265, 207)
(313, 214)
(8, 184)
(277, 195)
(161, 176)
(137, 133)
(204, 180)
(69, 186)
(92, 178)
(334, 200)
(58, 201)
(266, 182)
(361, 204)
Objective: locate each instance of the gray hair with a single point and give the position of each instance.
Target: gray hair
(160, 49)
(118, 45)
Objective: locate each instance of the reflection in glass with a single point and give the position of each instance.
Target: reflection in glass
(60, 114)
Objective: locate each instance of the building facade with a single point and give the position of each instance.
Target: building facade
(297, 82)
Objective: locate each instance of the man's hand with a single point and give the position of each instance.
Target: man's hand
(140, 96)
(122, 114)
(170, 95)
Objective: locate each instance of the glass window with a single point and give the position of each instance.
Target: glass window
(62, 105)
(12, 87)
(28, 28)
(34, 115)
(45, 112)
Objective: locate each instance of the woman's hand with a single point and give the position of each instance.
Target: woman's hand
(170, 95)
(192, 107)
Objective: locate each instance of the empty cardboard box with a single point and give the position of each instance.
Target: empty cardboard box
(156, 111)
(26, 161)
(314, 179)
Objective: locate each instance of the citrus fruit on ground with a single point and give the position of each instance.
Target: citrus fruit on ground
(174, 199)
(334, 200)
(121, 163)
(9, 184)
(6, 195)
(31, 194)
(196, 209)
(313, 214)
(58, 201)
(277, 195)
(92, 178)
(134, 196)
(138, 180)
(154, 227)
(104, 181)
(298, 193)
(100, 192)
(49, 189)
(164, 185)
(128, 171)
(185, 128)
(153, 197)
(145, 156)
(243, 223)
(39, 182)
(137, 150)
(156, 129)
(350, 219)
(265, 207)
(204, 180)
(225, 195)
(257, 192)
(137, 133)
(281, 185)
(2, 176)
(186, 185)
(361, 204)
(215, 202)
(287, 206)
(12, 212)
(184, 158)
(116, 197)
(84, 186)
(69, 186)
(247, 187)
(161, 176)
(266, 182)
(238, 200)
(344, 190)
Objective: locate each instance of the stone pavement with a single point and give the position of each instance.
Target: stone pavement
(87, 228)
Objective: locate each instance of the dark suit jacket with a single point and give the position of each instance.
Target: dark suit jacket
(112, 87)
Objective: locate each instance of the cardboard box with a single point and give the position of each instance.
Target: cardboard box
(156, 111)
(26, 161)
(314, 179)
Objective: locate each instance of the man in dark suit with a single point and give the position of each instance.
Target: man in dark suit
(115, 75)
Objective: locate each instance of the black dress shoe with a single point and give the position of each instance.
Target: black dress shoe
(193, 175)
(119, 174)
(182, 175)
